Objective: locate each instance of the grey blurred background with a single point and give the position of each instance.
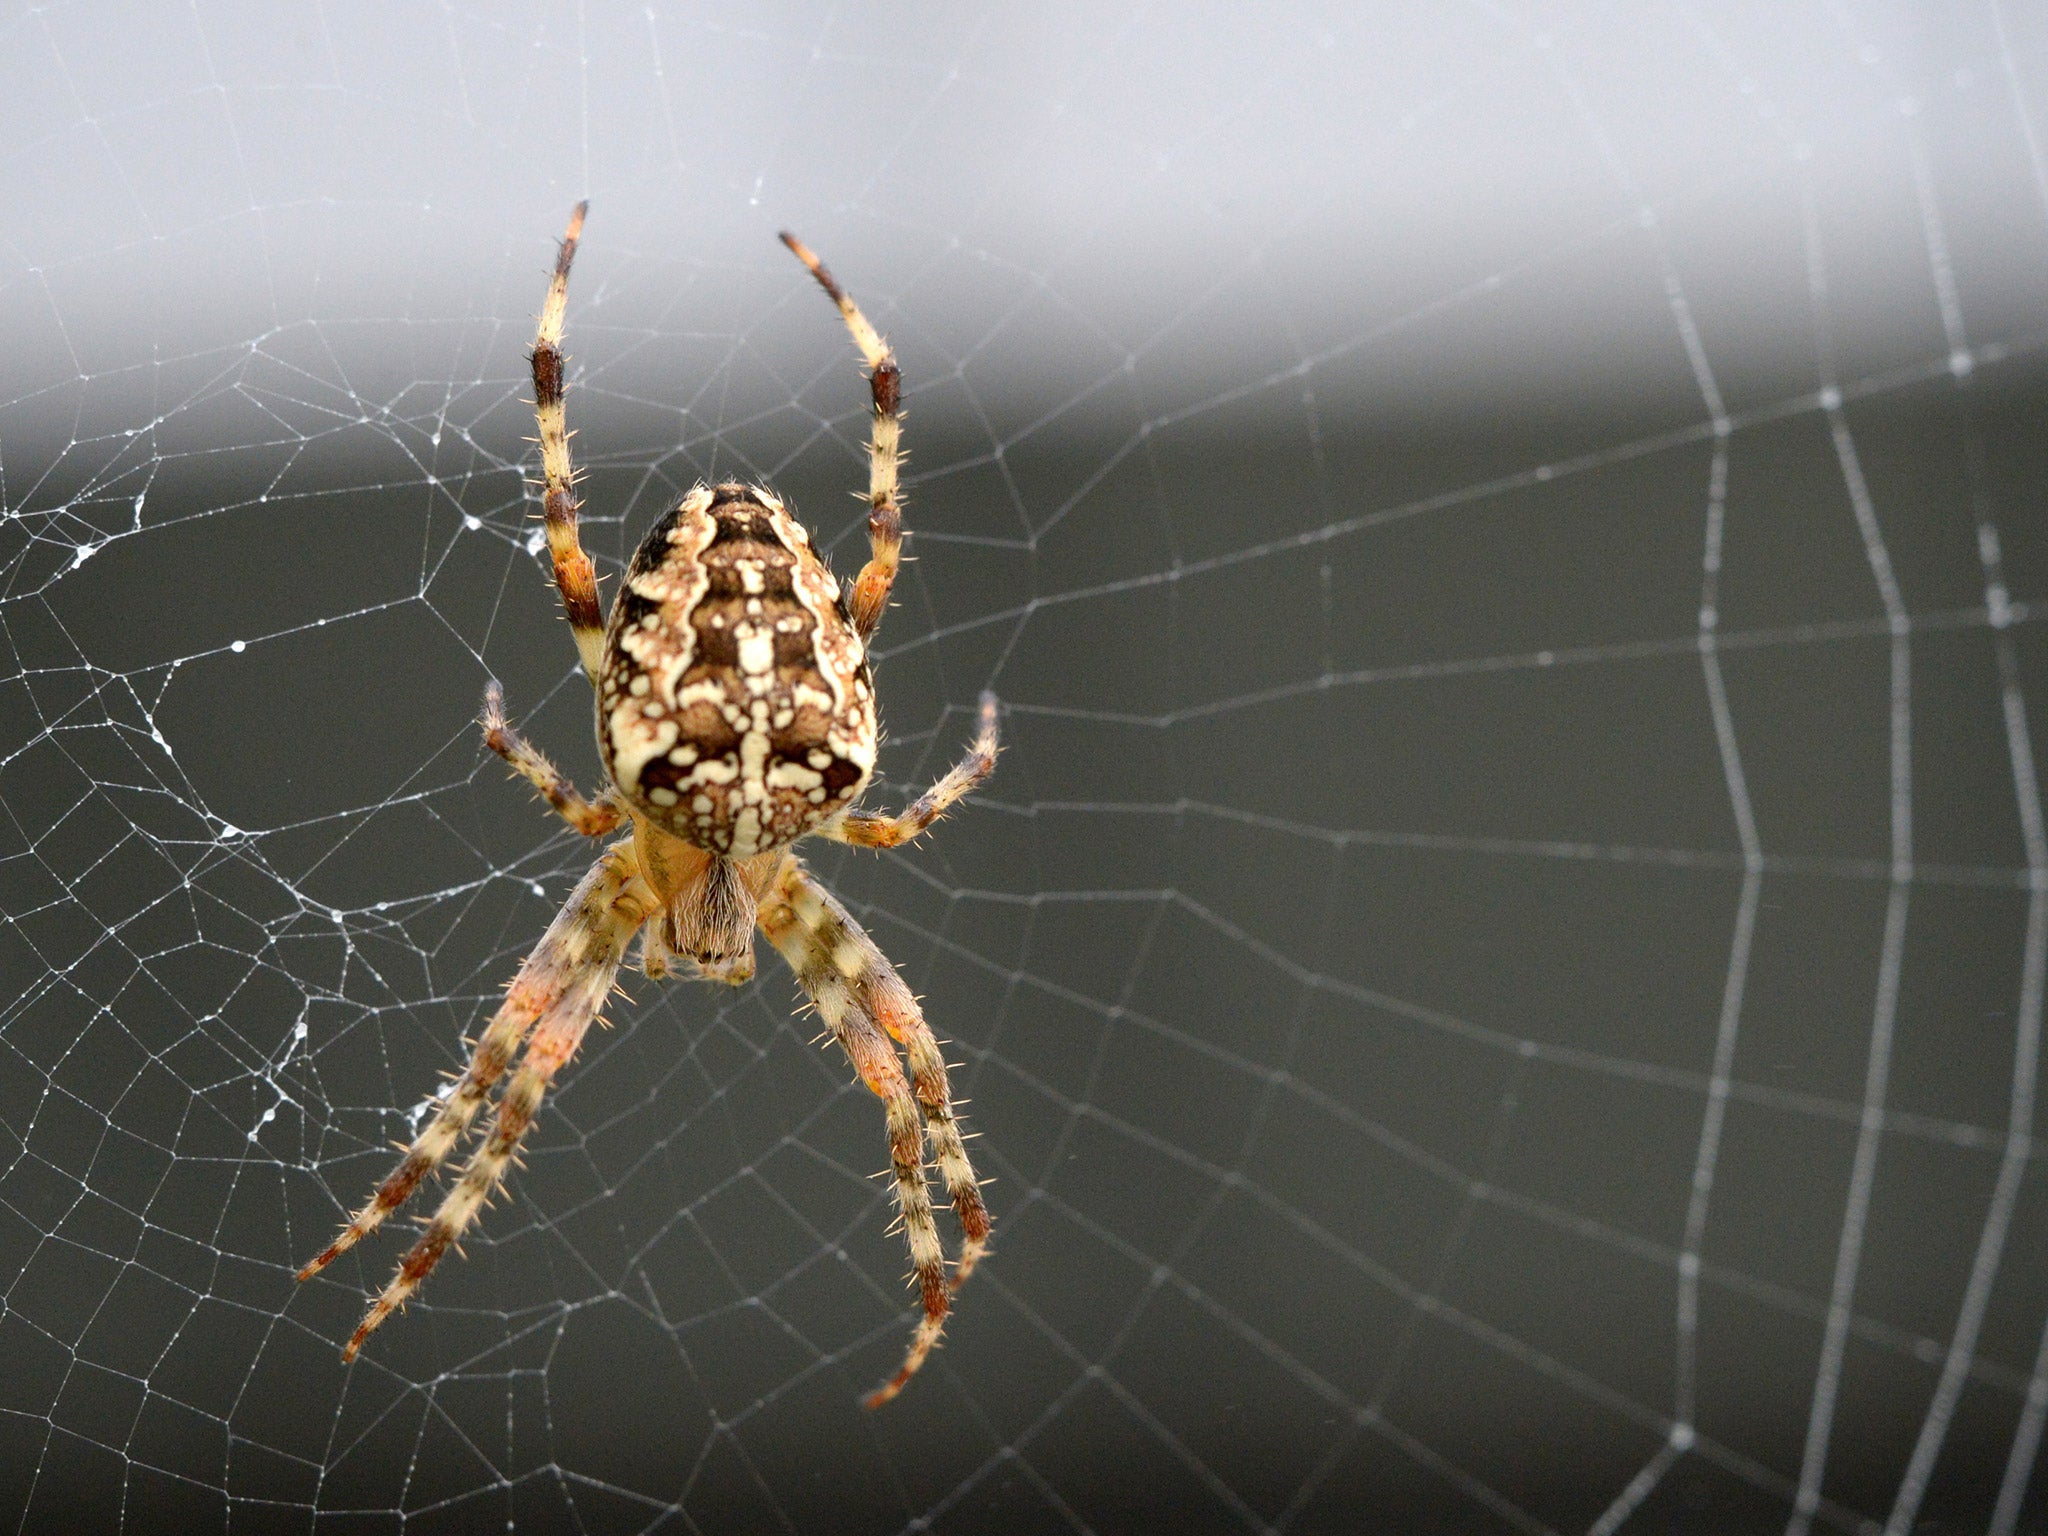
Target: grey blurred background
(1501, 973)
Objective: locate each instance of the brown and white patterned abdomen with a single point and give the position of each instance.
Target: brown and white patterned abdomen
(735, 708)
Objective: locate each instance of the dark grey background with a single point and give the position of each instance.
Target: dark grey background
(1500, 975)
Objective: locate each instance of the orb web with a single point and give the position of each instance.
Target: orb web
(1500, 973)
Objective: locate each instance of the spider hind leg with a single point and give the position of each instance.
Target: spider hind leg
(575, 576)
(870, 595)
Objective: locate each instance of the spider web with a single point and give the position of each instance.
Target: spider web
(1500, 976)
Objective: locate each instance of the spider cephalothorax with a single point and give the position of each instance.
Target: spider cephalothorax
(735, 715)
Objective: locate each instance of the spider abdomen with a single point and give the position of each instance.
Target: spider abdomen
(735, 708)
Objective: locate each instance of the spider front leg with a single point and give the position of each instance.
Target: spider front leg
(872, 829)
(885, 452)
(556, 995)
(859, 996)
(526, 760)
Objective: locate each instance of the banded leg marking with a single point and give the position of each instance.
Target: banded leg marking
(591, 819)
(899, 1014)
(859, 996)
(875, 829)
(574, 574)
(556, 995)
(885, 450)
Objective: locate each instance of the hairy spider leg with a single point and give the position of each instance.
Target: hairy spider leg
(556, 994)
(877, 829)
(592, 819)
(859, 996)
(532, 992)
(574, 573)
(549, 972)
(881, 994)
(579, 955)
(885, 454)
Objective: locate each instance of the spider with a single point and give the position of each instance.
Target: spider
(735, 715)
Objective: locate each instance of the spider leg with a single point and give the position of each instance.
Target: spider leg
(574, 574)
(859, 995)
(885, 453)
(883, 995)
(537, 988)
(873, 829)
(592, 820)
(556, 994)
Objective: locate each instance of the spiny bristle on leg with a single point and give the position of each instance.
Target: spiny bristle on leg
(863, 1002)
(555, 997)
